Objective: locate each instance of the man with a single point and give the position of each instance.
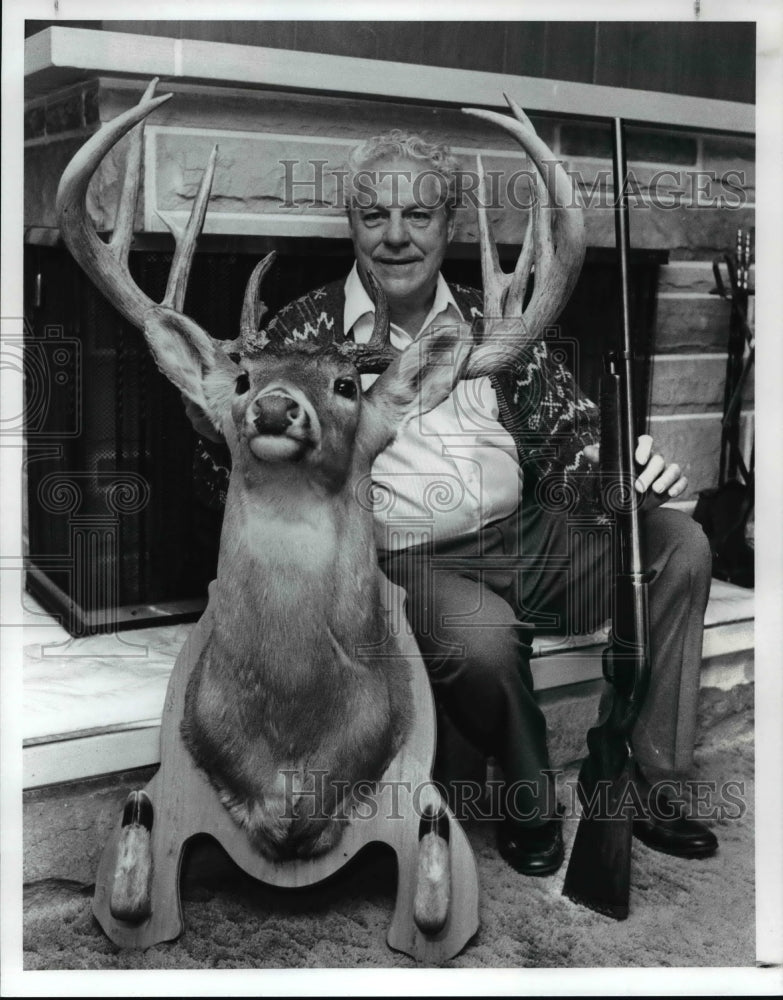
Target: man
(460, 485)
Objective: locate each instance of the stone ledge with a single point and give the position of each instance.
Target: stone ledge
(66, 825)
(60, 55)
(563, 679)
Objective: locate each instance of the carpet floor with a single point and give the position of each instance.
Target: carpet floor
(683, 913)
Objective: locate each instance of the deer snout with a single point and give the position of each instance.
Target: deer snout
(278, 413)
(281, 425)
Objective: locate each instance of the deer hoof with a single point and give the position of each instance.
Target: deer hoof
(433, 876)
(131, 896)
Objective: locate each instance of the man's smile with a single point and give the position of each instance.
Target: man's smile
(398, 261)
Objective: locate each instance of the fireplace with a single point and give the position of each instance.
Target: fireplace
(119, 536)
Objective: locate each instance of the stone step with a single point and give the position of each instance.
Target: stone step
(92, 706)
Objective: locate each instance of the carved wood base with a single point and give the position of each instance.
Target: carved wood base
(185, 804)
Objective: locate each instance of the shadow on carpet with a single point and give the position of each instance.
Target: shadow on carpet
(683, 913)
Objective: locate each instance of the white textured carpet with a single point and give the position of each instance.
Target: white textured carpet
(684, 913)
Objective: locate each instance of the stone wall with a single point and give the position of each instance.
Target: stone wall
(689, 192)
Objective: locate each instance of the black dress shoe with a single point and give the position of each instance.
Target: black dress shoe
(664, 827)
(536, 850)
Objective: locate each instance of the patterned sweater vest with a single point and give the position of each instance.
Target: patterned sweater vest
(540, 405)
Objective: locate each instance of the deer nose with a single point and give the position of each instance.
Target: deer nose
(277, 412)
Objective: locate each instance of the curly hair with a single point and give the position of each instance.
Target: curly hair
(435, 158)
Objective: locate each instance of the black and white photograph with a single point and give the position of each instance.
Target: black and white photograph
(388, 600)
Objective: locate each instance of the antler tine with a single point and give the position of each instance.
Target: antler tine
(186, 237)
(555, 241)
(377, 354)
(381, 328)
(106, 264)
(123, 223)
(557, 181)
(517, 112)
(504, 294)
(253, 309)
(521, 276)
(495, 282)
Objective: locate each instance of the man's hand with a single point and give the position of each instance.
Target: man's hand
(660, 480)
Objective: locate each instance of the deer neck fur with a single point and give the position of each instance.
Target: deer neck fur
(297, 576)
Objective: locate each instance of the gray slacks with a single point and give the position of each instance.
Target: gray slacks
(475, 604)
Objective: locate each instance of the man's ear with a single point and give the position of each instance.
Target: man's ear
(195, 363)
(418, 380)
(450, 226)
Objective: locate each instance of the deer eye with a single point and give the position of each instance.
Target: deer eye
(242, 383)
(345, 387)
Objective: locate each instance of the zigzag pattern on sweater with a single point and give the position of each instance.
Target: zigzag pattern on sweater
(549, 418)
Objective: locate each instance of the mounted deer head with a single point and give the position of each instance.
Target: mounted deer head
(285, 685)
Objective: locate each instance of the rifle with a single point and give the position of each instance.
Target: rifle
(599, 868)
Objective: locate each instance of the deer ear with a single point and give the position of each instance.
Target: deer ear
(192, 360)
(417, 381)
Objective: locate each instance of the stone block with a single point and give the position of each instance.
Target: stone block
(257, 131)
(35, 122)
(693, 441)
(92, 109)
(729, 153)
(691, 324)
(43, 167)
(235, 109)
(692, 383)
(66, 114)
(688, 233)
(686, 276)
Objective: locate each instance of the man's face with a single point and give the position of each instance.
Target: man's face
(400, 229)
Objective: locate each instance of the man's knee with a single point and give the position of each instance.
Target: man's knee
(487, 653)
(679, 547)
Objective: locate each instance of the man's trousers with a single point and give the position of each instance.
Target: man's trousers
(475, 603)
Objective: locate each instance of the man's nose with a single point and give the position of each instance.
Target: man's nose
(396, 231)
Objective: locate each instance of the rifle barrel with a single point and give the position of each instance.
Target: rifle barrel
(632, 553)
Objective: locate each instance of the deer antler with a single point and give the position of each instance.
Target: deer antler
(377, 354)
(553, 248)
(107, 263)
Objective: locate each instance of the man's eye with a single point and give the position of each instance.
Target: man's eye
(345, 387)
(242, 384)
(371, 218)
(420, 218)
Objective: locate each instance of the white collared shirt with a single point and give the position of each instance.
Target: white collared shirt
(449, 471)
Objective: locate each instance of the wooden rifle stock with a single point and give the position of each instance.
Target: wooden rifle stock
(599, 869)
